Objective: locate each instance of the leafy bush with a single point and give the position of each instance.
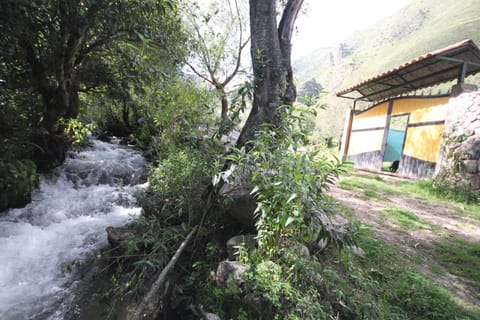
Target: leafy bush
(178, 182)
(288, 182)
(17, 179)
(76, 131)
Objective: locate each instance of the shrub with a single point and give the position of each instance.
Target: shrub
(288, 182)
(18, 178)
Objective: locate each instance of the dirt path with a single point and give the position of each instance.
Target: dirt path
(445, 222)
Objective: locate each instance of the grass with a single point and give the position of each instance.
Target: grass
(373, 195)
(372, 185)
(376, 187)
(403, 292)
(460, 257)
(408, 293)
(407, 219)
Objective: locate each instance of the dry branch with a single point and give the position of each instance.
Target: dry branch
(148, 305)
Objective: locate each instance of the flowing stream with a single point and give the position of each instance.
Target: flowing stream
(64, 223)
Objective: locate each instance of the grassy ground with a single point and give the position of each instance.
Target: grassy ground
(423, 249)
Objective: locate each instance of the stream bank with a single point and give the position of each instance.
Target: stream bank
(65, 224)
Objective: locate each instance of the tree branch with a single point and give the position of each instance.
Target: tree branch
(140, 312)
(241, 46)
(285, 28)
(211, 81)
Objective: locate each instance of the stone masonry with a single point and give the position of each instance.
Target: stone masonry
(459, 160)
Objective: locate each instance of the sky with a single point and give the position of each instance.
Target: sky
(327, 23)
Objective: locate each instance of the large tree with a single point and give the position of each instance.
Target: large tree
(52, 48)
(271, 59)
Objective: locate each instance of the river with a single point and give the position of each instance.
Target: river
(65, 223)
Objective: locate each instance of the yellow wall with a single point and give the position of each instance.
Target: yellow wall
(373, 118)
(424, 142)
(365, 141)
(422, 110)
(421, 142)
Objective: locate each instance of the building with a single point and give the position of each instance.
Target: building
(418, 131)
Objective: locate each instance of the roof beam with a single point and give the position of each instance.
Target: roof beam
(455, 61)
(458, 60)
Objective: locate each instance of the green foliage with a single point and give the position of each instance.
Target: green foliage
(146, 250)
(167, 110)
(200, 288)
(268, 281)
(17, 179)
(178, 182)
(400, 291)
(309, 92)
(77, 132)
(288, 183)
(172, 204)
(53, 50)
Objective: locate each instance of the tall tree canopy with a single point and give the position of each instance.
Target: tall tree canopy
(271, 59)
(52, 50)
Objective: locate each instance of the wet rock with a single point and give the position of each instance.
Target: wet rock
(229, 271)
(248, 241)
(118, 236)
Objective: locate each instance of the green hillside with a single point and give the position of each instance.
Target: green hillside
(422, 26)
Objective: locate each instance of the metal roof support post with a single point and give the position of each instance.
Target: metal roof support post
(462, 72)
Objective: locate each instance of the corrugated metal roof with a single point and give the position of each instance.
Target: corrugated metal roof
(426, 70)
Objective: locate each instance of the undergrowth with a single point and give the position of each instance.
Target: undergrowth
(305, 265)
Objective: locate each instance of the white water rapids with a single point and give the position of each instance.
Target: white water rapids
(65, 221)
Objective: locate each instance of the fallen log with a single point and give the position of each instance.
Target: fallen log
(148, 307)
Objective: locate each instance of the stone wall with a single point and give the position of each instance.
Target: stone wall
(459, 160)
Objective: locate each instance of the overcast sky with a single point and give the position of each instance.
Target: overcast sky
(327, 23)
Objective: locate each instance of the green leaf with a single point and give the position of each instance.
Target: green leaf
(289, 221)
(292, 197)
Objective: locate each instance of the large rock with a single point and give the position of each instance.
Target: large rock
(241, 205)
(301, 250)
(118, 236)
(229, 271)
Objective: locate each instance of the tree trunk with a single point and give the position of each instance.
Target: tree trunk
(270, 52)
(223, 99)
